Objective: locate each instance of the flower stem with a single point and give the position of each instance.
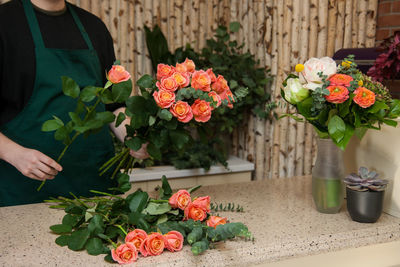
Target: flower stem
(122, 229)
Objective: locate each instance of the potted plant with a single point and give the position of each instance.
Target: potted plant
(365, 194)
(386, 68)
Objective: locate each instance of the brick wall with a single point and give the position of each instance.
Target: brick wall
(388, 19)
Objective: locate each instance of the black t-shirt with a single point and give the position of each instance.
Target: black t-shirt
(17, 54)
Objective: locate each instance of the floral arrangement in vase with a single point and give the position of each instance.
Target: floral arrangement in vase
(125, 227)
(339, 101)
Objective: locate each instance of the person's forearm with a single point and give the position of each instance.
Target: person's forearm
(7, 146)
(120, 131)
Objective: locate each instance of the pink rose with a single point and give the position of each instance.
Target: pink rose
(153, 245)
(195, 212)
(163, 98)
(201, 81)
(136, 237)
(203, 202)
(180, 199)
(125, 253)
(173, 241)
(216, 98)
(168, 84)
(118, 74)
(201, 110)
(182, 111)
(164, 71)
(214, 221)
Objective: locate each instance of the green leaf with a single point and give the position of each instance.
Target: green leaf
(123, 182)
(360, 132)
(194, 188)
(377, 106)
(234, 26)
(163, 218)
(94, 246)
(199, 247)
(78, 239)
(165, 115)
(167, 191)
(137, 201)
(390, 122)
(346, 138)
(89, 93)
(195, 235)
(75, 118)
(61, 228)
(120, 118)
(51, 125)
(96, 225)
(121, 91)
(157, 208)
(304, 107)
(146, 81)
(106, 97)
(70, 220)
(74, 209)
(152, 120)
(336, 128)
(62, 240)
(179, 138)
(134, 143)
(105, 117)
(62, 134)
(70, 87)
(154, 151)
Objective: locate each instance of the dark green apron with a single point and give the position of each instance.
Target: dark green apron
(84, 157)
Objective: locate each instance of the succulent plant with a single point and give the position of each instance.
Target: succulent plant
(365, 180)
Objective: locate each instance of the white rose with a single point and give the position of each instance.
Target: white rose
(313, 66)
(294, 91)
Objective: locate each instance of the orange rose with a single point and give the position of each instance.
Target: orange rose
(195, 212)
(167, 83)
(220, 85)
(338, 94)
(164, 71)
(182, 111)
(118, 74)
(163, 98)
(364, 97)
(190, 67)
(180, 199)
(212, 75)
(125, 253)
(215, 97)
(181, 67)
(340, 79)
(203, 202)
(227, 95)
(136, 237)
(182, 79)
(173, 241)
(153, 245)
(201, 81)
(213, 221)
(201, 110)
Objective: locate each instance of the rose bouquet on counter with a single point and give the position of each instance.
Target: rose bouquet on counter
(125, 227)
(339, 101)
(161, 117)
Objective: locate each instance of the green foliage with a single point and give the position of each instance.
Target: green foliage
(112, 216)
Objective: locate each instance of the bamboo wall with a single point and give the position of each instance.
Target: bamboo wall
(281, 33)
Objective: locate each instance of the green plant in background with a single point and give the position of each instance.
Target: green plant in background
(247, 81)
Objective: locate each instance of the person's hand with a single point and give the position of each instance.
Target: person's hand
(141, 153)
(34, 164)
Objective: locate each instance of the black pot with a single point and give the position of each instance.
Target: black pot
(366, 206)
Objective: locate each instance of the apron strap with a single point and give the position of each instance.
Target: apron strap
(80, 26)
(33, 23)
(35, 29)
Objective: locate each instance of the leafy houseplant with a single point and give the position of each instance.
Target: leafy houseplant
(365, 194)
(246, 79)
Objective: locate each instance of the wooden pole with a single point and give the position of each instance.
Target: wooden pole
(371, 23)
(354, 28)
(339, 35)
(332, 18)
(362, 20)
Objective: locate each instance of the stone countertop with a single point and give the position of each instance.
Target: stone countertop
(279, 212)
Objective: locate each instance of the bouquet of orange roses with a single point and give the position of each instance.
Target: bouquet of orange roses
(339, 101)
(126, 227)
(160, 118)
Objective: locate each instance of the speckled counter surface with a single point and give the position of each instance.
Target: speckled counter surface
(280, 213)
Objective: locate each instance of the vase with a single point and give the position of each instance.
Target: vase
(327, 175)
(366, 206)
